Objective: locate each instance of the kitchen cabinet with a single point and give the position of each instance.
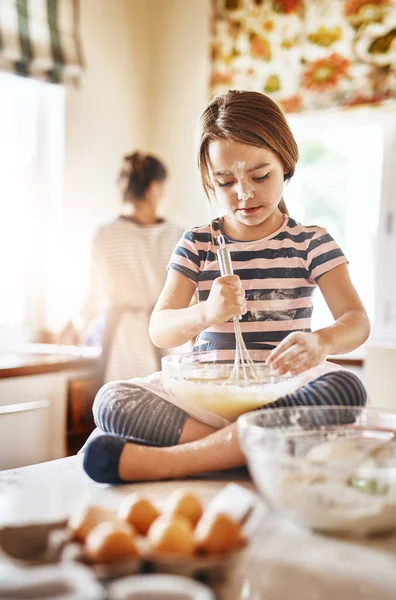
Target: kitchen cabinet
(32, 419)
(39, 405)
(81, 392)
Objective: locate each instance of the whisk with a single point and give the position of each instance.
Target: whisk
(244, 367)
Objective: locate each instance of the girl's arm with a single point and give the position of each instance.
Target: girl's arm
(174, 322)
(351, 327)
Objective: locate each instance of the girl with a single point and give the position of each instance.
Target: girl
(129, 257)
(246, 152)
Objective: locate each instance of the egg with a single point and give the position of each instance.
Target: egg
(85, 518)
(109, 542)
(181, 521)
(184, 504)
(218, 535)
(139, 512)
(171, 535)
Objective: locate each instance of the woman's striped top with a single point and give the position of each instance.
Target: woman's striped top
(279, 274)
(127, 274)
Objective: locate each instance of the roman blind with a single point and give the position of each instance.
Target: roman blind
(41, 39)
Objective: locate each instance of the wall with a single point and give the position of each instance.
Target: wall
(145, 86)
(105, 118)
(178, 94)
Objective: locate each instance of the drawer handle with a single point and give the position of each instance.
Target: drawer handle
(23, 407)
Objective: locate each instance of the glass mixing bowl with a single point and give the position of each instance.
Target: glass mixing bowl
(331, 469)
(200, 379)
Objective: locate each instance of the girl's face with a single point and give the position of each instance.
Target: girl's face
(248, 182)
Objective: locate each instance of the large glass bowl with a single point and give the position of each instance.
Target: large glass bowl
(331, 469)
(200, 379)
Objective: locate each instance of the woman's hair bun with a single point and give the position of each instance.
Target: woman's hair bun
(137, 173)
(136, 160)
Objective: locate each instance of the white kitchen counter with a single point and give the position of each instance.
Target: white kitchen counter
(284, 561)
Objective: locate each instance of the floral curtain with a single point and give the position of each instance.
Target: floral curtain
(306, 54)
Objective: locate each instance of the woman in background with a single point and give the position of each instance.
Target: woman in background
(128, 271)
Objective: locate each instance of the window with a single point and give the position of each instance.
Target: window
(341, 184)
(31, 159)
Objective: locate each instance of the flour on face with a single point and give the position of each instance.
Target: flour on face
(245, 187)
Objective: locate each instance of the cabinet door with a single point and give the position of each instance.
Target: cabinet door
(24, 429)
(81, 395)
(33, 419)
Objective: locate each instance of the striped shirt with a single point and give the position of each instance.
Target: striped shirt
(279, 274)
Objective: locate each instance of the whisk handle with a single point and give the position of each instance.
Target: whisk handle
(225, 263)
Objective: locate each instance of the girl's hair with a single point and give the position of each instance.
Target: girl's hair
(136, 174)
(249, 118)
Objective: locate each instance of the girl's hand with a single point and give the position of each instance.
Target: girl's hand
(225, 301)
(297, 352)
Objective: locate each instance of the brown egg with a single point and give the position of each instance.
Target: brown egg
(181, 521)
(218, 535)
(85, 518)
(171, 535)
(185, 504)
(138, 511)
(109, 542)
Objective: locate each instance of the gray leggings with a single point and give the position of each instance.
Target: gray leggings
(126, 409)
